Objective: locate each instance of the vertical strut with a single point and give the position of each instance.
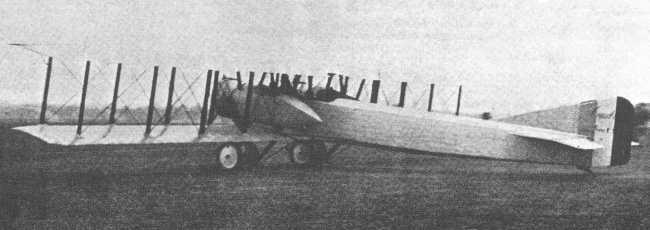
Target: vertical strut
(212, 114)
(274, 81)
(375, 91)
(431, 88)
(310, 85)
(285, 84)
(460, 92)
(329, 80)
(82, 106)
(116, 89)
(343, 84)
(402, 95)
(261, 82)
(152, 98)
(296, 81)
(363, 82)
(240, 85)
(249, 100)
(204, 108)
(46, 90)
(284, 81)
(170, 96)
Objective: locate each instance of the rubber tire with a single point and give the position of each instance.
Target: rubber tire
(221, 165)
(250, 155)
(315, 152)
(322, 154)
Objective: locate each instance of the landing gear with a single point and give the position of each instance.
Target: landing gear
(232, 156)
(308, 152)
(251, 154)
(228, 156)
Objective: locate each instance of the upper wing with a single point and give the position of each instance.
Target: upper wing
(133, 134)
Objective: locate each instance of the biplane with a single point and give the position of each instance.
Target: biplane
(247, 118)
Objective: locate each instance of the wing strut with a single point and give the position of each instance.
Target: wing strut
(375, 91)
(460, 93)
(249, 100)
(46, 90)
(296, 81)
(363, 82)
(204, 108)
(212, 114)
(83, 98)
(240, 85)
(343, 84)
(274, 79)
(432, 87)
(261, 82)
(111, 115)
(310, 85)
(152, 97)
(402, 94)
(170, 95)
(329, 80)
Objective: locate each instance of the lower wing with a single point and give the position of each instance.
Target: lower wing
(133, 134)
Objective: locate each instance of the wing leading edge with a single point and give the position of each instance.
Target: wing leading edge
(132, 134)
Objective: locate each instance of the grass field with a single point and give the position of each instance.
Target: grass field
(177, 187)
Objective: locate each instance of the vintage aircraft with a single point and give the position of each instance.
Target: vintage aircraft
(315, 121)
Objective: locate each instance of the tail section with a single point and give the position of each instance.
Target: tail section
(608, 122)
(622, 132)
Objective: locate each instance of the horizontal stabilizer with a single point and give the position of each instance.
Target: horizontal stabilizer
(574, 141)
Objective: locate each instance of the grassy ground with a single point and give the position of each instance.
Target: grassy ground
(177, 188)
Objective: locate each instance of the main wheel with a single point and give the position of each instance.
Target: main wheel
(228, 156)
(250, 154)
(307, 152)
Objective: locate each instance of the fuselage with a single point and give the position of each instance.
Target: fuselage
(353, 121)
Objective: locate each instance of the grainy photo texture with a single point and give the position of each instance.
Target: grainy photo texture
(335, 114)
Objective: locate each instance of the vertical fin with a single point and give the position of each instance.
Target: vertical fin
(613, 129)
(608, 122)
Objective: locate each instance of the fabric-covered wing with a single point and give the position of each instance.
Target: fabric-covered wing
(133, 134)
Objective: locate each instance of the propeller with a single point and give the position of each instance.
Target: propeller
(279, 103)
(243, 121)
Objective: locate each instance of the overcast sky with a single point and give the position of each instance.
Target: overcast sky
(511, 56)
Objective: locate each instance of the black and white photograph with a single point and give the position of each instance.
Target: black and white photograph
(332, 114)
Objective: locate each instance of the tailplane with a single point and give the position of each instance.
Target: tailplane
(608, 122)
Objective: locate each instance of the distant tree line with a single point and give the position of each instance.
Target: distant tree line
(642, 113)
